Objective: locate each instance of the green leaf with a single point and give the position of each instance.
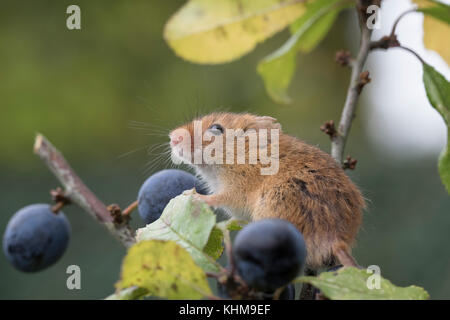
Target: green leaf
(278, 68)
(351, 284)
(163, 269)
(277, 71)
(438, 93)
(320, 15)
(210, 32)
(214, 247)
(232, 224)
(440, 11)
(188, 222)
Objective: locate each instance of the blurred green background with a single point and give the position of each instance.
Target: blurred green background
(82, 88)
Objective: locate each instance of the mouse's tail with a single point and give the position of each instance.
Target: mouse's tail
(342, 252)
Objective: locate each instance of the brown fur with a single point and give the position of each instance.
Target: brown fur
(310, 190)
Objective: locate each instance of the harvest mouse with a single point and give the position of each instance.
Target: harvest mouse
(307, 186)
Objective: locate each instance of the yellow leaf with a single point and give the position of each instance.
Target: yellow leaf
(163, 269)
(436, 37)
(435, 33)
(218, 31)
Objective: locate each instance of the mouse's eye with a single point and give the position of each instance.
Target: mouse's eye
(216, 129)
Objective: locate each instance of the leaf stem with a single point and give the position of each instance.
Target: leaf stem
(413, 52)
(229, 251)
(394, 27)
(127, 211)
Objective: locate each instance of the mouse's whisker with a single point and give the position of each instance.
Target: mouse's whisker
(137, 128)
(156, 147)
(148, 167)
(155, 134)
(153, 163)
(149, 129)
(145, 124)
(133, 151)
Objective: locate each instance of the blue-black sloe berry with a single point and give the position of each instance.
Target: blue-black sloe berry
(160, 188)
(35, 237)
(269, 253)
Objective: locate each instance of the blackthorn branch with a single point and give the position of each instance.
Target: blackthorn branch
(77, 192)
(339, 140)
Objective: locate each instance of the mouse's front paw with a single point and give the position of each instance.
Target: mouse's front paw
(190, 192)
(200, 197)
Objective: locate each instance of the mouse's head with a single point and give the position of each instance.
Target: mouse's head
(225, 140)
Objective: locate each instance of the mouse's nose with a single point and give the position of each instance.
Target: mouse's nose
(175, 138)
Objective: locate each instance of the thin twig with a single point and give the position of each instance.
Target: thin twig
(348, 112)
(391, 40)
(127, 211)
(59, 198)
(394, 27)
(210, 274)
(78, 192)
(414, 53)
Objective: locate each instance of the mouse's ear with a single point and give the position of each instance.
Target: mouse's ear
(268, 122)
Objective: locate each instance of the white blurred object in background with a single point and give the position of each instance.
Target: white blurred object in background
(399, 119)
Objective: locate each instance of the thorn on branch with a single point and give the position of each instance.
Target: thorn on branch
(118, 217)
(363, 80)
(59, 197)
(385, 43)
(343, 57)
(329, 129)
(349, 163)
